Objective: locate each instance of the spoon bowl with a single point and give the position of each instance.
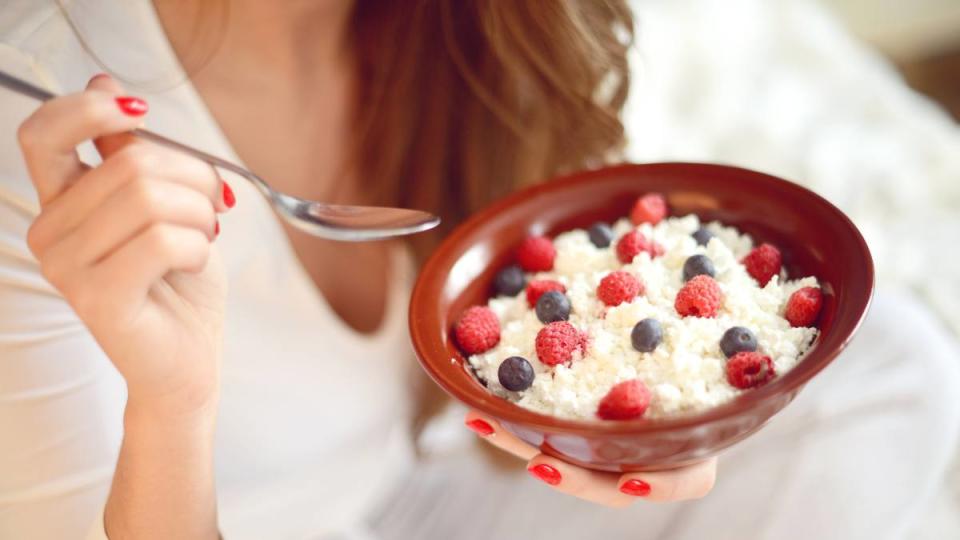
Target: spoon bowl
(351, 223)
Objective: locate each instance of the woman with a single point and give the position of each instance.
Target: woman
(441, 105)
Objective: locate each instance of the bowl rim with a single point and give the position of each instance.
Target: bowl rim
(508, 411)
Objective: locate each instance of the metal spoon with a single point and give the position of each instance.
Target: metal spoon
(331, 221)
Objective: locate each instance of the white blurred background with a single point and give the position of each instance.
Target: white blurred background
(852, 98)
(907, 30)
(922, 38)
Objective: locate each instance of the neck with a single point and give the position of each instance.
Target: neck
(251, 41)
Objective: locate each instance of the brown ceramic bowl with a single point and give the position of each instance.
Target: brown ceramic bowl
(815, 238)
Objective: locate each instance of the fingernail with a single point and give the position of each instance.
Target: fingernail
(132, 106)
(98, 76)
(546, 473)
(216, 228)
(637, 488)
(229, 198)
(480, 427)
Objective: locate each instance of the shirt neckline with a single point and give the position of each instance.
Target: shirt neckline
(398, 282)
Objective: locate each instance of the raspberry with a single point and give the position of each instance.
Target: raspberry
(699, 297)
(537, 287)
(624, 401)
(804, 306)
(749, 369)
(618, 287)
(650, 208)
(631, 244)
(763, 263)
(478, 330)
(557, 341)
(536, 254)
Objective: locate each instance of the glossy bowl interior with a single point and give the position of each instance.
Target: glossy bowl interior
(813, 235)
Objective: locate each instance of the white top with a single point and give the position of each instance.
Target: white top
(774, 86)
(290, 463)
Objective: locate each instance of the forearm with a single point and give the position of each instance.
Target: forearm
(164, 481)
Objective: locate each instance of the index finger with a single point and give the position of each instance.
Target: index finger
(48, 138)
(691, 482)
(594, 486)
(685, 483)
(493, 433)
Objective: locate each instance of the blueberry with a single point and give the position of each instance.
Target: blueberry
(510, 281)
(697, 265)
(646, 335)
(737, 339)
(600, 234)
(553, 306)
(515, 374)
(702, 236)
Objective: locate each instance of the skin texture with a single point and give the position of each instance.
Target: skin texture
(285, 68)
(129, 245)
(602, 488)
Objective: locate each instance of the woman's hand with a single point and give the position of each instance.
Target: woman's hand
(608, 489)
(128, 244)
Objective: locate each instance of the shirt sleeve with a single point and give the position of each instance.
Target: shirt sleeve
(782, 87)
(61, 400)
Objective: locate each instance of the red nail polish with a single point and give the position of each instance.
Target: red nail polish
(480, 427)
(216, 228)
(546, 473)
(132, 106)
(637, 488)
(229, 198)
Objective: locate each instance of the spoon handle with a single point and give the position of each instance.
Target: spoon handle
(23, 87)
(31, 90)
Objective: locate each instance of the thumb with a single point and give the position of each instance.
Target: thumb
(109, 144)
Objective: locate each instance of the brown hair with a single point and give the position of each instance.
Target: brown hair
(463, 101)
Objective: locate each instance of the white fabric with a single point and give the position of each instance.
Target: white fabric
(313, 415)
(768, 84)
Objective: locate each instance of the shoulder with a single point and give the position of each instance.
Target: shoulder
(34, 39)
(19, 19)
(15, 188)
(39, 40)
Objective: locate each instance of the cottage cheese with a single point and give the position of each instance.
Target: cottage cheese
(686, 372)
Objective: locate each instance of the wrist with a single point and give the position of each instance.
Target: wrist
(164, 482)
(186, 408)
